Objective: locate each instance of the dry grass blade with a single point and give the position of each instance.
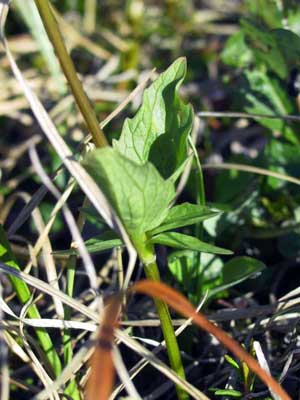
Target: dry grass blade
(263, 362)
(226, 114)
(51, 291)
(124, 375)
(160, 366)
(84, 180)
(253, 170)
(80, 40)
(27, 210)
(45, 246)
(45, 232)
(135, 370)
(102, 362)
(87, 184)
(292, 293)
(41, 192)
(40, 370)
(88, 263)
(102, 375)
(81, 357)
(182, 305)
(48, 323)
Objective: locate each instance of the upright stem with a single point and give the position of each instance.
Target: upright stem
(201, 199)
(68, 68)
(147, 256)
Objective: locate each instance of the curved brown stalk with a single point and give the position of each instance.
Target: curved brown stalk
(102, 377)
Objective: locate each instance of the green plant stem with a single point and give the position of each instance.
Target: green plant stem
(147, 255)
(72, 388)
(68, 68)
(199, 226)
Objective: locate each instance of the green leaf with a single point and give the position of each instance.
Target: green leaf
(265, 95)
(278, 49)
(293, 19)
(138, 193)
(93, 217)
(237, 270)
(98, 244)
(283, 158)
(181, 264)
(265, 47)
(159, 130)
(186, 242)
(183, 215)
(267, 11)
(240, 268)
(32, 19)
(289, 45)
(236, 52)
(232, 362)
(185, 268)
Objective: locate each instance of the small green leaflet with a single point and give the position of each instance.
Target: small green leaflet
(236, 52)
(278, 49)
(186, 242)
(265, 47)
(265, 95)
(227, 392)
(183, 215)
(159, 130)
(138, 193)
(232, 362)
(97, 244)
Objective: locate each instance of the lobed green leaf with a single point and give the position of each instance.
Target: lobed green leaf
(158, 132)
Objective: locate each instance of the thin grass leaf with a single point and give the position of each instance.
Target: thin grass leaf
(24, 295)
(29, 13)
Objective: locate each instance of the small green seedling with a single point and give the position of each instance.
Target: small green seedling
(246, 378)
(138, 177)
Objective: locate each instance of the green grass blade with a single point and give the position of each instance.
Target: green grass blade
(24, 295)
(31, 17)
